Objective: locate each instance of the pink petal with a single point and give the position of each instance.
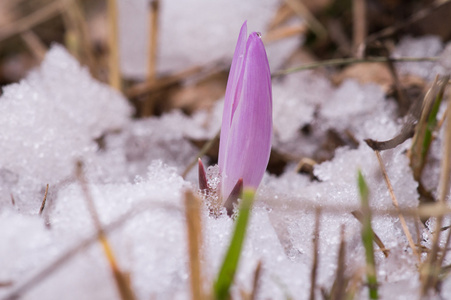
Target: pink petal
(230, 102)
(249, 137)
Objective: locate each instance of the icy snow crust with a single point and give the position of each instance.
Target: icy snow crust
(59, 114)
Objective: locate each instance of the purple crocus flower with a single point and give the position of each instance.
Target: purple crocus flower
(245, 142)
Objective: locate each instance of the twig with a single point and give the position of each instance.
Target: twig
(314, 270)
(194, 233)
(348, 61)
(13, 201)
(201, 153)
(45, 199)
(45, 13)
(113, 46)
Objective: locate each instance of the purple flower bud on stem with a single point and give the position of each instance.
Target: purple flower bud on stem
(246, 131)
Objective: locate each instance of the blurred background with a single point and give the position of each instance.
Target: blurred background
(167, 54)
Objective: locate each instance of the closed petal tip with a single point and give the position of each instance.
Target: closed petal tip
(230, 95)
(249, 137)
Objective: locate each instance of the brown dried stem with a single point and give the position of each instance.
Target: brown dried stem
(113, 45)
(348, 61)
(34, 44)
(300, 9)
(153, 40)
(396, 204)
(339, 286)
(413, 19)
(431, 268)
(194, 233)
(45, 13)
(44, 200)
(359, 27)
(314, 270)
(359, 216)
(257, 275)
(122, 283)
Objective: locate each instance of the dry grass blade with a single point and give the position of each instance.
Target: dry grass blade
(444, 185)
(147, 87)
(355, 282)
(314, 270)
(6, 284)
(113, 45)
(284, 12)
(153, 40)
(45, 13)
(77, 35)
(414, 18)
(432, 267)
(257, 274)
(359, 26)
(194, 233)
(426, 125)
(201, 153)
(44, 200)
(340, 283)
(424, 211)
(300, 9)
(34, 44)
(348, 61)
(121, 280)
(359, 216)
(284, 32)
(396, 204)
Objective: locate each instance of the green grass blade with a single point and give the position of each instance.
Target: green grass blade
(229, 266)
(368, 237)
